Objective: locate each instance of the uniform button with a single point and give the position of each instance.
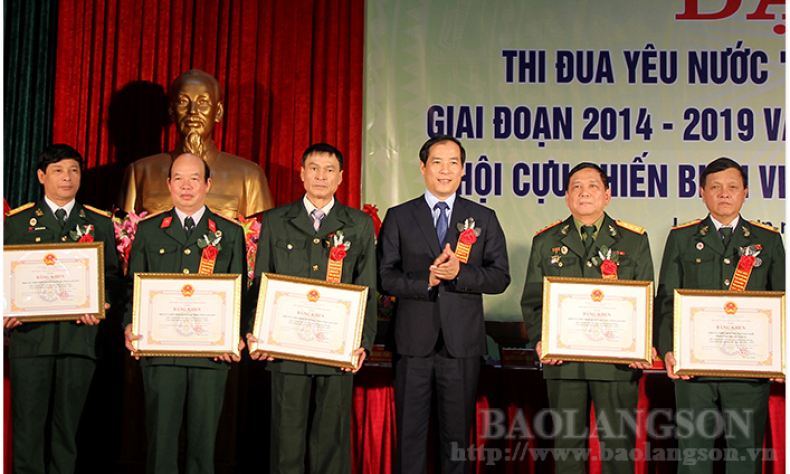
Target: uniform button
(38, 239)
(289, 247)
(559, 264)
(589, 264)
(699, 260)
(727, 261)
(727, 282)
(63, 238)
(315, 241)
(187, 251)
(186, 270)
(315, 268)
(161, 251)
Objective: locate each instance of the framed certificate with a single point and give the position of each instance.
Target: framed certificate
(596, 320)
(186, 315)
(309, 320)
(53, 282)
(729, 333)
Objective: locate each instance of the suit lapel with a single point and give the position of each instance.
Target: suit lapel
(460, 213)
(298, 218)
(423, 219)
(336, 219)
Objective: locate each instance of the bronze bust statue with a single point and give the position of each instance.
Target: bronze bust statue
(239, 186)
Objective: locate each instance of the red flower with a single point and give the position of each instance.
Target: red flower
(210, 252)
(746, 263)
(468, 237)
(86, 238)
(338, 253)
(608, 267)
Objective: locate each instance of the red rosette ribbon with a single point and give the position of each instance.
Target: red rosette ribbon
(609, 269)
(468, 237)
(210, 252)
(86, 238)
(207, 259)
(746, 263)
(338, 253)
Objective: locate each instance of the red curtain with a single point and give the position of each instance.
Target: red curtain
(291, 72)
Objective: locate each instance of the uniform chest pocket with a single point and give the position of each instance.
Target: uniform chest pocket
(700, 271)
(290, 256)
(626, 268)
(559, 265)
(161, 257)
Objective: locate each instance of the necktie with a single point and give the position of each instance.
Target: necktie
(725, 232)
(441, 222)
(588, 230)
(60, 214)
(318, 216)
(189, 224)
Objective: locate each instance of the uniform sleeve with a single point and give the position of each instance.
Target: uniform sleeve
(671, 277)
(532, 296)
(776, 272)
(493, 276)
(365, 274)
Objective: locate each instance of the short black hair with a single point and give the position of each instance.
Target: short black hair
(584, 165)
(206, 169)
(58, 152)
(722, 164)
(426, 147)
(322, 148)
(175, 86)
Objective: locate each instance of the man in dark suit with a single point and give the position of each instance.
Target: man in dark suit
(571, 248)
(296, 240)
(55, 359)
(437, 255)
(704, 254)
(168, 243)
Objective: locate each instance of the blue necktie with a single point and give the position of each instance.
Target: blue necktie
(441, 222)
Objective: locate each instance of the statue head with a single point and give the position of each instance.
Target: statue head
(195, 105)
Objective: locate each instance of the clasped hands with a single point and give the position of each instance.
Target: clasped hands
(445, 267)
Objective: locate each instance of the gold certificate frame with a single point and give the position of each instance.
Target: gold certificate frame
(53, 282)
(596, 320)
(182, 315)
(729, 333)
(309, 320)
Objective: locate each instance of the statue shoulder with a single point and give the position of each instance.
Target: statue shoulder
(19, 209)
(238, 161)
(632, 227)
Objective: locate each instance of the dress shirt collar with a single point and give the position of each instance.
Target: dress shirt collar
(54, 207)
(719, 225)
(432, 200)
(310, 206)
(195, 217)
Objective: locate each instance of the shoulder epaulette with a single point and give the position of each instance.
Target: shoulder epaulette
(20, 209)
(97, 211)
(764, 226)
(229, 219)
(633, 228)
(553, 224)
(688, 224)
(153, 215)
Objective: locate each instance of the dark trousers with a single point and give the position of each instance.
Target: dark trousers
(330, 433)
(168, 389)
(615, 416)
(743, 410)
(456, 388)
(33, 380)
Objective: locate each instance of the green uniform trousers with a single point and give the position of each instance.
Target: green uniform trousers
(615, 415)
(330, 433)
(167, 390)
(738, 409)
(33, 380)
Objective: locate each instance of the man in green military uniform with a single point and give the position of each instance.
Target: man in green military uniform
(55, 360)
(573, 248)
(704, 254)
(168, 243)
(296, 239)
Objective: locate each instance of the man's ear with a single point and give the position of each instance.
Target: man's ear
(220, 112)
(171, 114)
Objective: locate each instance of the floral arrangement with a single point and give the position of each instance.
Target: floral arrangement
(252, 229)
(124, 235)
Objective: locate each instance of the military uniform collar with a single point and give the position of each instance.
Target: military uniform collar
(54, 207)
